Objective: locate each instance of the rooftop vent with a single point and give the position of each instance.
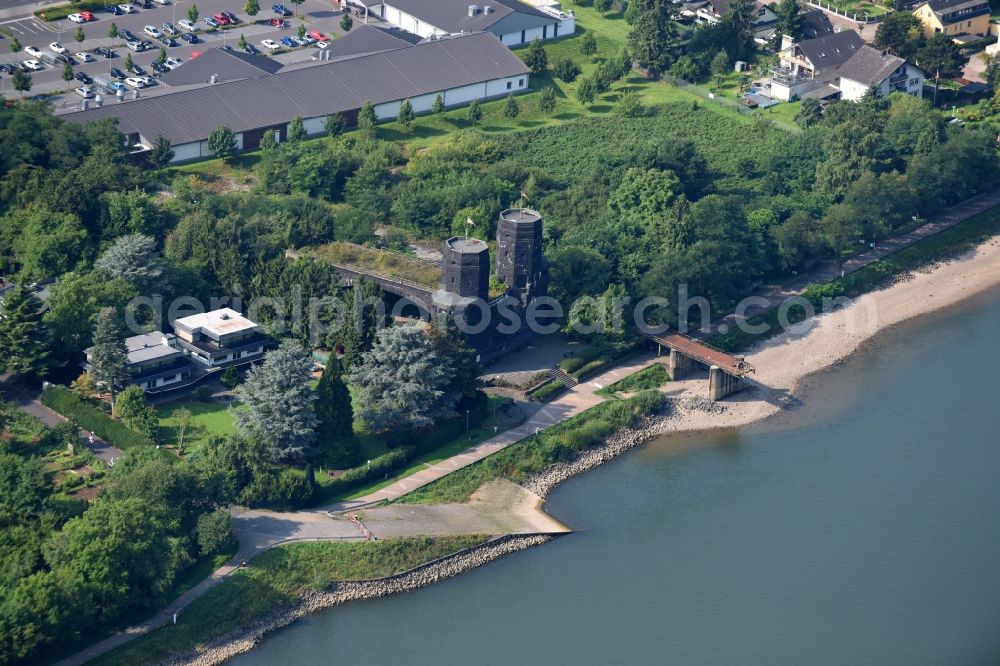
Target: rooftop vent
(213, 78)
(487, 9)
(473, 10)
(224, 316)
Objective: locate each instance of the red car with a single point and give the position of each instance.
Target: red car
(319, 36)
(278, 23)
(87, 16)
(222, 19)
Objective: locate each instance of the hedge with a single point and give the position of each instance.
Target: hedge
(547, 391)
(88, 417)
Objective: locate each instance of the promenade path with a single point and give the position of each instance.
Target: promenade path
(257, 529)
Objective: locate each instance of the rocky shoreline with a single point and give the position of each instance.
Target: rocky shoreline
(246, 638)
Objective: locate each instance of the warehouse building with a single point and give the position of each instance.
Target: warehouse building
(460, 69)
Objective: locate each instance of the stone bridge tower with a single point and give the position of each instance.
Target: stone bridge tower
(520, 263)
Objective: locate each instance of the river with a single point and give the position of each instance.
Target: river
(862, 528)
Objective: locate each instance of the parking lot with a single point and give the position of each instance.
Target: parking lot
(319, 15)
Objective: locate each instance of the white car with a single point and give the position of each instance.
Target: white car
(85, 92)
(77, 18)
(129, 9)
(322, 45)
(270, 44)
(84, 57)
(172, 63)
(152, 31)
(190, 26)
(33, 51)
(33, 65)
(135, 82)
(162, 2)
(56, 47)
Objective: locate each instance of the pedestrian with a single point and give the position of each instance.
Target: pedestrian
(91, 438)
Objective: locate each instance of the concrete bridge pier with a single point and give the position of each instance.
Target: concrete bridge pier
(721, 384)
(680, 366)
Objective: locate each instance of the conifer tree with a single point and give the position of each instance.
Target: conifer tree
(109, 357)
(23, 338)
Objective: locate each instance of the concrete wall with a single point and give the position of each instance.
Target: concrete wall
(410, 23)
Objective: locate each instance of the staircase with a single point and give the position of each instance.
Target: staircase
(563, 378)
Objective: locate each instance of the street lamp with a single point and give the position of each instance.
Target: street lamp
(466, 420)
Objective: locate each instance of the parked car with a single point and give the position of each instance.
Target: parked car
(168, 41)
(77, 18)
(152, 31)
(85, 92)
(318, 36)
(135, 46)
(222, 19)
(56, 47)
(136, 69)
(306, 40)
(33, 65)
(278, 23)
(172, 62)
(233, 18)
(104, 52)
(270, 44)
(322, 45)
(115, 86)
(211, 22)
(190, 26)
(162, 2)
(129, 9)
(190, 38)
(281, 10)
(117, 73)
(251, 49)
(6, 68)
(128, 35)
(83, 56)
(158, 67)
(135, 82)
(83, 77)
(33, 51)
(114, 10)
(168, 28)
(289, 42)
(62, 59)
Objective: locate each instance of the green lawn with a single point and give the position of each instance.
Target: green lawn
(208, 419)
(278, 578)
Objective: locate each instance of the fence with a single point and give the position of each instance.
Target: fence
(725, 101)
(859, 18)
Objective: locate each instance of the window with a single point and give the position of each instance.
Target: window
(522, 36)
(914, 82)
(520, 83)
(545, 32)
(510, 84)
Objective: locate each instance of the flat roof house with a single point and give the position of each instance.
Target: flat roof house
(221, 338)
(954, 17)
(512, 21)
(460, 69)
(155, 362)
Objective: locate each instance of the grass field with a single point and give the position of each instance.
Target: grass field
(277, 578)
(208, 419)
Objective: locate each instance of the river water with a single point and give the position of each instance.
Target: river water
(864, 528)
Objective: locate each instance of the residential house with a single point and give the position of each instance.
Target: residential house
(385, 73)
(155, 362)
(712, 11)
(954, 17)
(221, 338)
(512, 21)
(873, 68)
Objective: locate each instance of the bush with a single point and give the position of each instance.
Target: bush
(567, 70)
(202, 394)
(287, 489)
(215, 531)
(116, 433)
(230, 378)
(547, 391)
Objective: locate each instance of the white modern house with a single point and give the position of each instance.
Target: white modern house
(512, 21)
(155, 362)
(221, 338)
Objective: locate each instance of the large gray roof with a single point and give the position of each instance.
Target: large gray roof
(224, 65)
(870, 66)
(331, 87)
(830, 51)
(453, 15)
(368, 39)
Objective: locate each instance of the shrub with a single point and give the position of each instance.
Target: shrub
(547, 391)
(230, 378)
(202, 394)
(116, 433)
(567, 69)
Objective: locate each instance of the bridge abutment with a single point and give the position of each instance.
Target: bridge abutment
(680, 366)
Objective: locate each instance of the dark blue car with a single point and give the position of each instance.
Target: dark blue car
(113, 9)
(281, 10)
(189, 37)
(289, 42)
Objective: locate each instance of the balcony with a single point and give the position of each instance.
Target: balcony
(785, 77)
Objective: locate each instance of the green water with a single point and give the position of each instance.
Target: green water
(862, 529)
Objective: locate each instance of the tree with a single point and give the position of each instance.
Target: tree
(720, 67)
(603, 6)
(346, 22)
(450, 344)
(242, 43)
(67, 72)
(25, 488)
(588, 44)
(800, 243)
(182, 417)
(193, 13)
(789, 21)
(547, 100)
(215, 529)
(941, 56)
(898, 32)
(15, 45)
(367, 119)
(161, 153)
(586, 90)
(739, 24)
(113, 30)
(230, 377)
(24, 339)
(475, 114)
(567, 70)
(133, 258)
(296, 130)
(335, 414)
(21, 81)
(810, 113)
(252, 7)
(83, 386)
(129, 64)
(161, 57)
(278, 399)
(79, 36)
(438, 107)
(406, 115)
(536, 58)
(335, 124)
(653, 33)
(577, 271)
(47, 243)
(108, 357)
(511, 109)
(402, 381)
(222, 143)
(301, 30)
(268, 142)
(133, 410)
